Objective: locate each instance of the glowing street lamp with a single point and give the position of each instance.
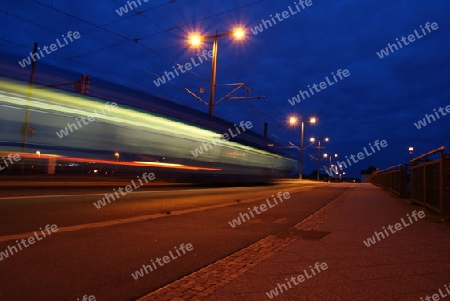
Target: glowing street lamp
(318, 153)
(239, 33)
(117, 155)
(293, 120)
(329, 157)
(329, 165)
(196, 40)
(410, 152)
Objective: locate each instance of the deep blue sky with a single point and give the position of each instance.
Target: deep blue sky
(381, 99)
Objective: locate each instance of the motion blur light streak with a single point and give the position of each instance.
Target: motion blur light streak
(111, 162)
(143, 138)
(168, 165)
(124, 115)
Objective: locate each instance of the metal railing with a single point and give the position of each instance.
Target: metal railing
(395, 179)
(424, 181)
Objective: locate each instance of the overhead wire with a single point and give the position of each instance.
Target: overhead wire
(127, 39)
(112, 32)
(61, 57)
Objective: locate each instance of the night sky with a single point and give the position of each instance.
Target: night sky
(381, 99)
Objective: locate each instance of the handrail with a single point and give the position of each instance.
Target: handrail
(440, 149)
(389, 168)
(425, 182)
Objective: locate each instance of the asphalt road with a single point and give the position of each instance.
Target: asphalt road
(95, 251)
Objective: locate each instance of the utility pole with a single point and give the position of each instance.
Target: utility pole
(300, 163)
(84, 84)
(25, 126)
(213, 76)
(318, 161)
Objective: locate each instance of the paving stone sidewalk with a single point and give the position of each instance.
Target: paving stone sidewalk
(412, 263)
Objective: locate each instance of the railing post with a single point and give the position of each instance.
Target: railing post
(441, 183)
(420, 174)
(446, 185)
(424, 173)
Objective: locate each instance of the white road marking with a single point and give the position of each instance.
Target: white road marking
(89, 194)
(136, 218)
(134, 192)
(117, 221)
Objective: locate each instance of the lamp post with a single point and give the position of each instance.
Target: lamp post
(293, 121)
(196, 40)
(318, 153)
(329, 165)
(117, 155)
(410, 152)
(329, 158)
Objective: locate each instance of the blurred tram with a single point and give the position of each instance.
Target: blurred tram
(67, 127)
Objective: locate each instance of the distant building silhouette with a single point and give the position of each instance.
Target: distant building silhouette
(366, 173)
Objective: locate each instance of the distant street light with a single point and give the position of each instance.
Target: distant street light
(329, 158)
(410, 152)
(318, 153)
(196, 40)
(294, 121)
(117, 155)
(329, 165)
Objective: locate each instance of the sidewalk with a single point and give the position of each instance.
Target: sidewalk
(410, 264)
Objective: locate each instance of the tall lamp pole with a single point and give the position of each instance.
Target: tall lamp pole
(26, 126)
(329, 163)
(300, 162)
(293, 121)
(213, 76)
(196, 40)
(410, 152)
(318, 153)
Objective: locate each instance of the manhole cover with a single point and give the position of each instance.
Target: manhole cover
(302, 234)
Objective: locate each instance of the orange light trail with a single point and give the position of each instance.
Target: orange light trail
(132, 163)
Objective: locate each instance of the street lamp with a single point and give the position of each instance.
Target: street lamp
(117, 155)
(329, 165)
(410, 152)
(329, 158)
(294, 121)
(318, 153)
(196, 40)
